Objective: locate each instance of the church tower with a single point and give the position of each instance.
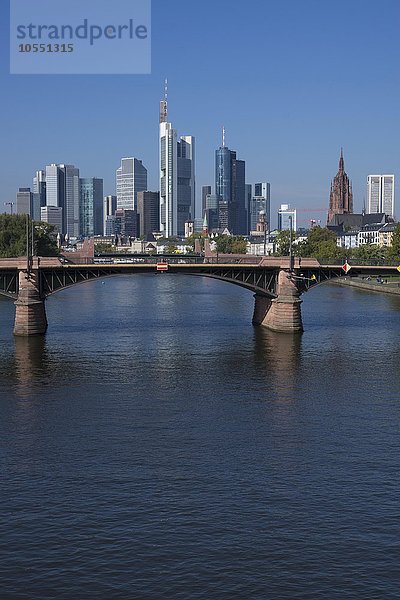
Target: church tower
(341, 196)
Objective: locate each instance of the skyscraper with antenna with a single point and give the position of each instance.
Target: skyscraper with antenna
(230, 187)
(177, 175)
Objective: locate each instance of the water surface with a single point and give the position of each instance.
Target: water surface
(155, 445)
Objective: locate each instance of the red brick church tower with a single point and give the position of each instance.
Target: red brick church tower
(341, 197)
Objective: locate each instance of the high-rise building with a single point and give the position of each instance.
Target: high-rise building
(230, 186)
(287, 218)
(148, 209)
(23, 201)
(131, 179)
(91, 206)
(205, 190)
(341, 195)
(126, 223)
(260, 202)
(109, 227)
(211, 210)
(248, 196)
(380, 194)
(62, 190)
(39, 186)
(186, 181)
(177, 177)
(28, 203)
(53, 216)
(109, 208)
(72, 219)
(55, 186)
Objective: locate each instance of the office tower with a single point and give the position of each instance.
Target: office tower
(109, 208)
(380, 194)
(109, 227)
(39, 186)
(230, 187)
(177, 177)
(62, 190)
(131, 179)
(248, 196)
(205, 190)
(211, 209)
(126, 222)
(91, 206)
(287, 218)
(53, 216)
(260, 202)
(341, 195)
(55, 186)
(186, 181)
(28, 203)
(72, 216)
(148, 209)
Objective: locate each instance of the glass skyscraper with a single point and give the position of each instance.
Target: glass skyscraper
(260, 202)
(91, 206)
(230, 186)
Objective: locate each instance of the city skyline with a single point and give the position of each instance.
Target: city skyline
(289, 132)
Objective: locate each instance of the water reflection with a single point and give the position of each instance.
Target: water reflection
(30, 361)
(279, 354)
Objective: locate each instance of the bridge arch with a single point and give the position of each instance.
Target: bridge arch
(276, 284)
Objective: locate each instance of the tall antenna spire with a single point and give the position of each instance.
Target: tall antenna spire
(164, 104)
(223, 136)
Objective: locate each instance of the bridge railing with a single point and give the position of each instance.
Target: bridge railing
(147, 259)
(362, 262)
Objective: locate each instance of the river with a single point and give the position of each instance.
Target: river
(154, 444)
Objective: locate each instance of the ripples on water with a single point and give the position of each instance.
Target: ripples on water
(155, 445)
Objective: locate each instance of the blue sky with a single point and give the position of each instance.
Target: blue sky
(292, 81)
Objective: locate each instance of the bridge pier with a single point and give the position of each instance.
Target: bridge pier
(262, 304)
(283, 313)
(30, 312)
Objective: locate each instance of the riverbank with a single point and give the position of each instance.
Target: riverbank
(372, 285)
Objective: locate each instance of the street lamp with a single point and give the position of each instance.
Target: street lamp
(291, 257)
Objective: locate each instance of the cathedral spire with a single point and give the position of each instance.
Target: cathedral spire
(341, 194)
(341, 160)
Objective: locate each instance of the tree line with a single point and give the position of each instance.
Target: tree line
(321, 243)
(13, 237)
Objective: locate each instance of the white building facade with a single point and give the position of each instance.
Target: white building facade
(287, 218)
(380, 194)
(177, 178)
(131, 179)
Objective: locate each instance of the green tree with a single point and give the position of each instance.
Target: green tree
(321, 243)
(282, 241)
(394, 250)
(369, 252)
(319, 239)
(45, 239)
(103, 247)
(13, 237)
(231, 244)
(195, 236)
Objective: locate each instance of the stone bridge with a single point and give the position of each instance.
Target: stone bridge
(277, 283)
